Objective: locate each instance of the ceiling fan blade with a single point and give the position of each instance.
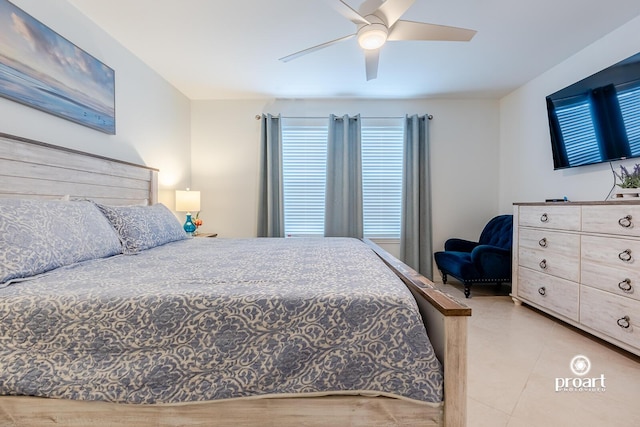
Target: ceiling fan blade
(371, 59)
(409, 30)
(314, 48)
(349, 13)
(392, 10)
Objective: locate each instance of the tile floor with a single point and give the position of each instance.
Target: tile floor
(515, 356)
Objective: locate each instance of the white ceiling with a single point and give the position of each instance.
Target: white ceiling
(229, 49)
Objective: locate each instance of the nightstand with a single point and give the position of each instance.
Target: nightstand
(206, 235)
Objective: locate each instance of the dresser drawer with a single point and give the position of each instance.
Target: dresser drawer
(562, 217)
(549, 241)
(566, 266)
(613, 315)
(611, 251)
(622, 220)
(620, 281)
(553, 293)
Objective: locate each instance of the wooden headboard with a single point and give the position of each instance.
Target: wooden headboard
(33, 169)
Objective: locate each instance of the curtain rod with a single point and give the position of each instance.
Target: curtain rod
(259, 116)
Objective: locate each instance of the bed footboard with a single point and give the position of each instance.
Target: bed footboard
(446, 322)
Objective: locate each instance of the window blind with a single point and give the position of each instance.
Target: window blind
(382, 180)
(304, 158)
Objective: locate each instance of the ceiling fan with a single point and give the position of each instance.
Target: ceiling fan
(384, 24)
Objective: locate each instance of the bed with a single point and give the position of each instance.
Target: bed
(282, 345)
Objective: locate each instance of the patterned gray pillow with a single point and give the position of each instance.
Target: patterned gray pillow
(39, 235)
(144, 227)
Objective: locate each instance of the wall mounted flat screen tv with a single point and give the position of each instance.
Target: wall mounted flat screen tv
(598, 118)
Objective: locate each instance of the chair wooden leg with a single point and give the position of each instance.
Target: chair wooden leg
(467, 290)
(444, 277)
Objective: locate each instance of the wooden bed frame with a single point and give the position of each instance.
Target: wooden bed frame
(32, 169)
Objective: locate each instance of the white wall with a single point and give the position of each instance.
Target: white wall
(225, 151)
(526, 163)
(464, 155)
(152, 117)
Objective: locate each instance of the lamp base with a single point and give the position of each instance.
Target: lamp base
(189, 226)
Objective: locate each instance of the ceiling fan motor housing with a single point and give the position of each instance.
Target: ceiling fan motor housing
(373, 35)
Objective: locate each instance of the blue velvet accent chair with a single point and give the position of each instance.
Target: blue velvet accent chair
(485, 261)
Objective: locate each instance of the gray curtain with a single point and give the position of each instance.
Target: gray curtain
(415, 234)
(271, 199)
(343, 204)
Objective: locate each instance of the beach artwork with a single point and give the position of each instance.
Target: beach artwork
(43, 70)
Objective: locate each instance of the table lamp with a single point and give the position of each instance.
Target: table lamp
(188, 201)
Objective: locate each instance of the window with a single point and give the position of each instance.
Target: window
(304, 152)
(304, 163)
(382, 145)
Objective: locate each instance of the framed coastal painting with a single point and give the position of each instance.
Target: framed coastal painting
(43, 70)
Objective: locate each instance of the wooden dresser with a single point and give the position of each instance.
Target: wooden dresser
(580, 262)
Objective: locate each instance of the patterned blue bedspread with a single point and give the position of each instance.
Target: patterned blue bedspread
(205, 319)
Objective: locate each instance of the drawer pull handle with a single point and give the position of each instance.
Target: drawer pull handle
(624, 322)
(543, 242)
(625, 286)
(544, 218)
(625, 255)
(625, 222)
(542, 291)
(543, 264)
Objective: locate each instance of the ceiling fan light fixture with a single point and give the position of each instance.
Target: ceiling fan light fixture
(372, 36)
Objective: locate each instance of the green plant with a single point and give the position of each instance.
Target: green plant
(629, 179)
